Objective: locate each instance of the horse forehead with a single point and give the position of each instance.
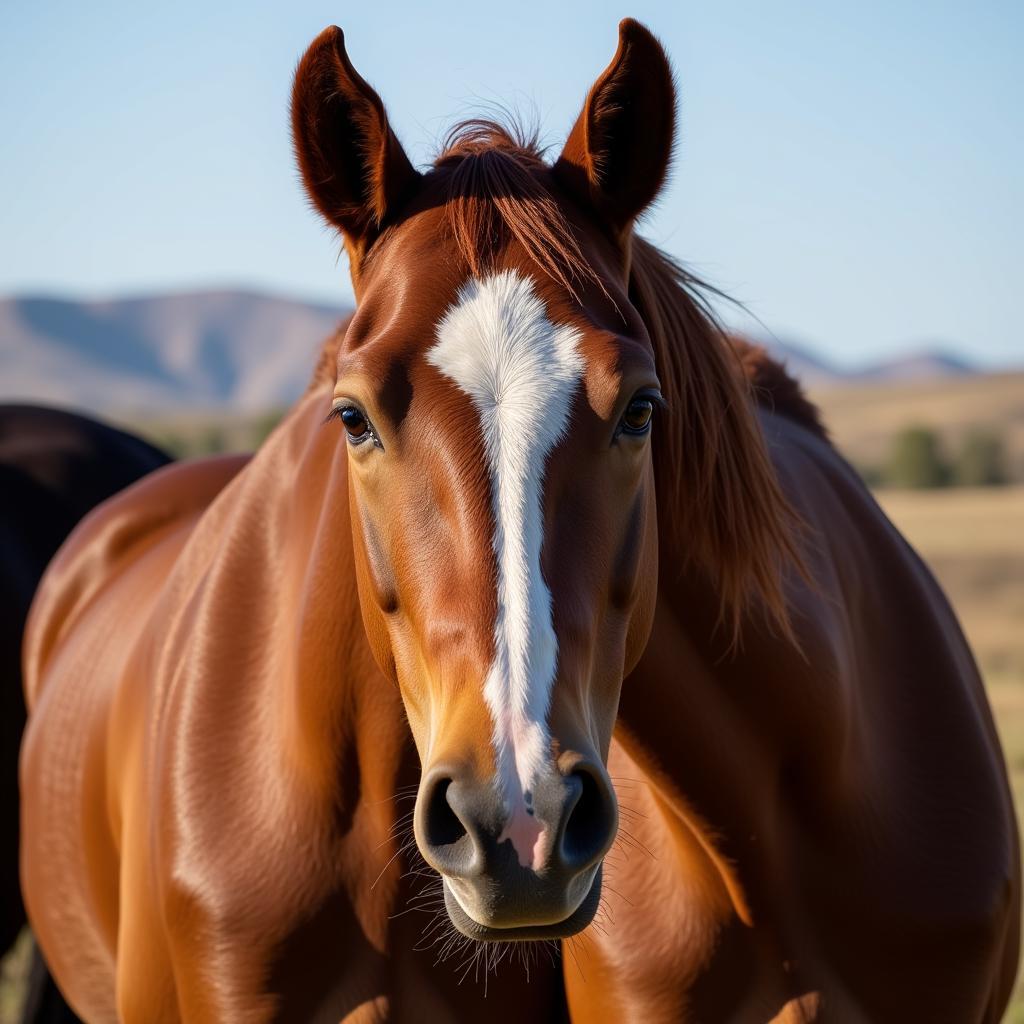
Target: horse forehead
(507, 333)
(511, 335)
(498, 342)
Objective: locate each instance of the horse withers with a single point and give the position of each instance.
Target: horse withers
(583, 578)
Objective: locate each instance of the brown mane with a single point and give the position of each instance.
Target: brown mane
(494, 196)
(775, 388)
(716, 488)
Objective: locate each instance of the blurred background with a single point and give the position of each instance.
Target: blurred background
(851, 173)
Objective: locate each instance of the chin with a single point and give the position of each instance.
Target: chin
(527, 931)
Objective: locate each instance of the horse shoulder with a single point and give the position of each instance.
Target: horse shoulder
(269, 761)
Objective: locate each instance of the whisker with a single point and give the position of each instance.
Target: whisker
(402, 849)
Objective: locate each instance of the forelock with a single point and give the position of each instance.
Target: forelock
(495, 195)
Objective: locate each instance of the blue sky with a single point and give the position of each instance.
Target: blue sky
(851, 171)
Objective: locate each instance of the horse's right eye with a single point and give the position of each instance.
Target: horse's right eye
(355, 422)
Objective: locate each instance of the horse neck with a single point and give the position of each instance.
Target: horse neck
(284, 550)
(716, 727)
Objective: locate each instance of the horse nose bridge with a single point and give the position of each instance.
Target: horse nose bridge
(458, 646)
(460, 730)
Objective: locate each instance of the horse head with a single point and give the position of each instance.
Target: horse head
(499, 388)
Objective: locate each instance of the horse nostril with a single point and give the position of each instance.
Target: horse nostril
(454, 819)
(590, 827)
(441, 825)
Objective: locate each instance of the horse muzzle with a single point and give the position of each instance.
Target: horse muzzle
(493, 890)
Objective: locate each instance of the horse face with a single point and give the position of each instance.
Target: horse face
(498, 427)
(503, 501)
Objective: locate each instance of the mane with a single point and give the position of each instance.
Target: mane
(717, 489)
(494, 196)
(718, 498)
(775, 388)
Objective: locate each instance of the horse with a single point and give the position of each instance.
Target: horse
(55, 467)
(546, 612)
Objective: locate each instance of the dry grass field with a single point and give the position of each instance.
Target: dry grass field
(863, 418)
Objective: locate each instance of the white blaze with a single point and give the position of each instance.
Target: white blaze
(520, 370)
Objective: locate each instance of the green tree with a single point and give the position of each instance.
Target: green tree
(981, 460)
(211, 440)
(916, 459)
(177, 446)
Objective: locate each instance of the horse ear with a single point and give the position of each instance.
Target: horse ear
(618, 152)
(353, 166)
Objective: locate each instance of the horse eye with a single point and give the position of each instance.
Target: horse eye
(354, 422)
(637, 417)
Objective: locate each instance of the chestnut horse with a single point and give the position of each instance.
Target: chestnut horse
(560, 553)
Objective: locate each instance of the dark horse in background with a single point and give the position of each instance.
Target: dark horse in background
(55, 467)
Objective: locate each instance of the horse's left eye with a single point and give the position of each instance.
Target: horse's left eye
(637, 417)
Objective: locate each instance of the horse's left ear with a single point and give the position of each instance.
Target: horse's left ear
(352, 163)
(618, 152)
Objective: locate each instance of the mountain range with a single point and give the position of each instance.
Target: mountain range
(925, 361)
(246, 351)
(243, 350)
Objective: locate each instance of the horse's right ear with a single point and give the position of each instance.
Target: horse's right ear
(354, 168)
(618, 152)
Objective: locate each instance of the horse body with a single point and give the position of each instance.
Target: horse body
(254, 842)
(187, 742)
(489, 584)
(818, 818)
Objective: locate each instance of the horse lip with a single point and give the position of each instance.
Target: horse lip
(574, 922)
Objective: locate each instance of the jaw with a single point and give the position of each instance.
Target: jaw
(571, 925)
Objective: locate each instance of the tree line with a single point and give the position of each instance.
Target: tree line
(919, 458)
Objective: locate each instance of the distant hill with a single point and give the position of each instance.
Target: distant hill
(934, 363)
(811, 369)
(247, 351)
(925, 362)
(241, 350)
